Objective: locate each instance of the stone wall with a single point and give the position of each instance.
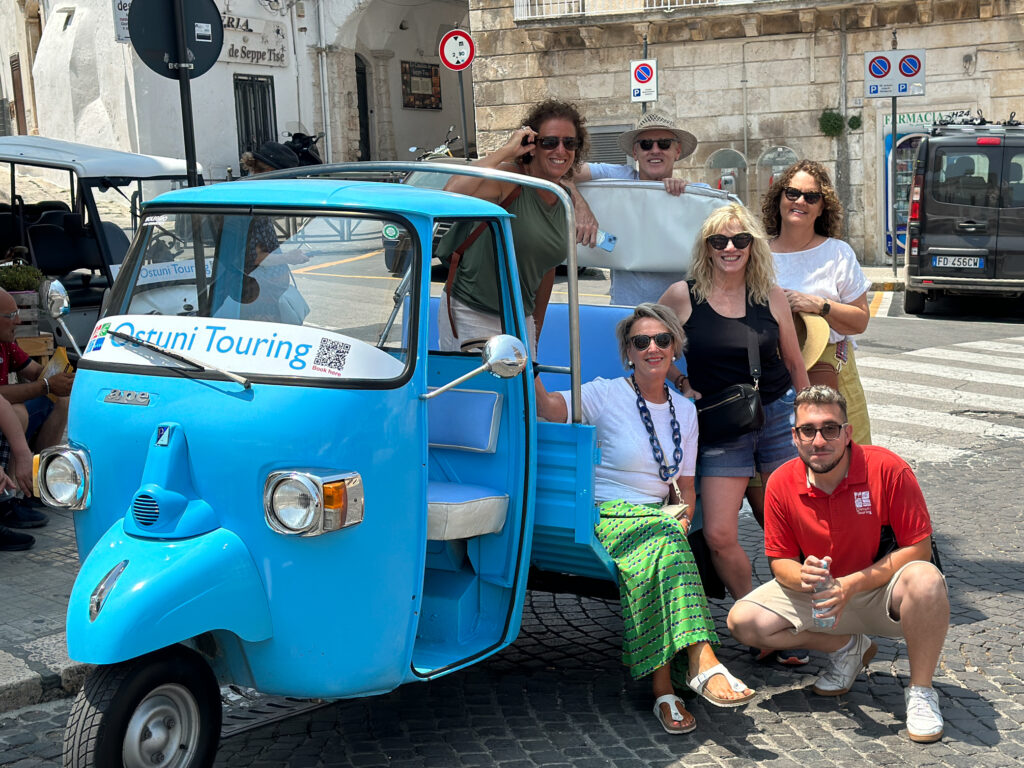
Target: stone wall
(751, 77)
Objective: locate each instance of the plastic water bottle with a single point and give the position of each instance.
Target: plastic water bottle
(824, 583)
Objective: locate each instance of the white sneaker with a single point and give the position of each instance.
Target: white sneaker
(844, 666)
(924, 720)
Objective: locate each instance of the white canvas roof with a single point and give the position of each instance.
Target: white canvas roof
(87, 161)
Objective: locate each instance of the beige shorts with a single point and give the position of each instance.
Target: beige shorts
(866, 613)
(475, 327)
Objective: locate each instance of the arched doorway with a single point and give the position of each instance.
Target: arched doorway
(362, 98)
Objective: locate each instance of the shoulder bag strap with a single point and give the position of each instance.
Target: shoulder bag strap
(753, 351)
(453, 264)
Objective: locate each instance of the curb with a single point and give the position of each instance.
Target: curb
(28, 684)
(887, 285)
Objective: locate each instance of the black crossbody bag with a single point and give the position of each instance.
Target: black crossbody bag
(737, 409)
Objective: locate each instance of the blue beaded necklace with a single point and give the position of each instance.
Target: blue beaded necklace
(664, 472)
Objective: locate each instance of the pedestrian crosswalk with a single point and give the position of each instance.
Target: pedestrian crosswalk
(947, 403)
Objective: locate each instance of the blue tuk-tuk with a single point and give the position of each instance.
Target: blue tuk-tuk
(279, 481)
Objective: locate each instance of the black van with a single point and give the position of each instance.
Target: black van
(965, 232)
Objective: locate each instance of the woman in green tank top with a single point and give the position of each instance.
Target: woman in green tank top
(550, 145)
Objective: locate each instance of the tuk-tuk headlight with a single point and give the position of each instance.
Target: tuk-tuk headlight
(295, 503)
(306, 504)
(63, 477)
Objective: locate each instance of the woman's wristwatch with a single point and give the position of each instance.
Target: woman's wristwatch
(679, 381)
(825, 308)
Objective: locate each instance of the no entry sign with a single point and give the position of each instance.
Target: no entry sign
(457, 50)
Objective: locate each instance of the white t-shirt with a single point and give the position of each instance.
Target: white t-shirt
(627, 469)
(829, 270)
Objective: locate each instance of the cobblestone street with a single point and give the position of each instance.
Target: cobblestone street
(560, 697)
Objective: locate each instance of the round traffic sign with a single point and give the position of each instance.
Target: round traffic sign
(152, 25)
(457, 50)
(643, 73)
(910, 65)
(879, 66)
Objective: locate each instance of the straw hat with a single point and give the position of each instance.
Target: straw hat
(656, 121)
(812, 332)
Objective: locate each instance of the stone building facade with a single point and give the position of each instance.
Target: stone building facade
(355, 70)
(752, 79)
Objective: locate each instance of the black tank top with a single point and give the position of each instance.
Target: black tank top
(716, 354)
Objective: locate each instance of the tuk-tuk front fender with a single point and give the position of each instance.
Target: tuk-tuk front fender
(168, 591)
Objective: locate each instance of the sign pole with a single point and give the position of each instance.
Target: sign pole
(892, 195)
(643, 105)
(462, 109)
(185, 92)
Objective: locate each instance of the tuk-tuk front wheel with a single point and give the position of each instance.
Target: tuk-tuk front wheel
(161, 709)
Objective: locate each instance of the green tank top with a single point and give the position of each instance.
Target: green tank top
(539, 237)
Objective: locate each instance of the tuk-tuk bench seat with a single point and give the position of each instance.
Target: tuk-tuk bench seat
(462, 511)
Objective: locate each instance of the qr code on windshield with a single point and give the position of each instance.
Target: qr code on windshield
(332, 354)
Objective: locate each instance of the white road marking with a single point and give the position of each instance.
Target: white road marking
(947, 422)
(944, 397)
(918, 450)
(993, 346)
(952, 355)
(901, 364)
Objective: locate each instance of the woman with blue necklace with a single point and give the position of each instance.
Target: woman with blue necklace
(648, 458)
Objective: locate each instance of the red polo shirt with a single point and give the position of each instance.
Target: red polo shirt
(12, 360)
(879, 489)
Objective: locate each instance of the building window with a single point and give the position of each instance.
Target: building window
(255, 111)
(604, 144)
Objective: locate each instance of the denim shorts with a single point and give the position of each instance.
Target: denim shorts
(39, 410)
(763, 450)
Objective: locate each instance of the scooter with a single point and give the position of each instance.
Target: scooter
(444, 149)
(319, 504)
(304, 145)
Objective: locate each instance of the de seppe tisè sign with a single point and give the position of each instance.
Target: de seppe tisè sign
(246, 40)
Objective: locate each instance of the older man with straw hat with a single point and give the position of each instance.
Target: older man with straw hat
(656, 144)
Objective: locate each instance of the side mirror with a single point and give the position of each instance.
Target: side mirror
(504, 356)
(54, 297)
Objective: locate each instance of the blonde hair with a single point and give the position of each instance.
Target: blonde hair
(760, 270)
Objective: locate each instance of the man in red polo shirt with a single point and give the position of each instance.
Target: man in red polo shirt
(824, 514)
(42, 420)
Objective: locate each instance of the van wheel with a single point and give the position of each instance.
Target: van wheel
(913, 302)
(159, 709)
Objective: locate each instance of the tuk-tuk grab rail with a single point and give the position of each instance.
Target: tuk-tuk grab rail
(390, 167)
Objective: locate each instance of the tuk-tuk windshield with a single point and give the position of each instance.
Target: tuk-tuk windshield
(315, 289)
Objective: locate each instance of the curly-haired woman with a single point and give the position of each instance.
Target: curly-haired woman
(550, 145)
(821, 276)
(731, 295)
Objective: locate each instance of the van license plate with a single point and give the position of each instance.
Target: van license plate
(968, 262)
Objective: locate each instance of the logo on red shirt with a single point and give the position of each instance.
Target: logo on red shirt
(862, 501)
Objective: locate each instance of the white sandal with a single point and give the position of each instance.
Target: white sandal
(699, 683)
(674, 713)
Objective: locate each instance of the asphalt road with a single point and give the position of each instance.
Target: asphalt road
(946, 390)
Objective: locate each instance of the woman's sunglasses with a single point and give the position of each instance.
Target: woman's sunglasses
(642, 341)
(740, 241)
(646, 144)
(793, 194)
(571, 143)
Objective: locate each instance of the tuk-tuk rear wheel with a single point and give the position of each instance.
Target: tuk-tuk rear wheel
(161, 709)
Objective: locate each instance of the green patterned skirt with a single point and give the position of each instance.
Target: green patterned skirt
(664, 608)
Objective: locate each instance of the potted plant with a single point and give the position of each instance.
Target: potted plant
(22, 281)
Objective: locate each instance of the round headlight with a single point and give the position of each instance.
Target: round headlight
(295, 502)
(64, 479)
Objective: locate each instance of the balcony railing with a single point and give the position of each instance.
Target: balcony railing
(555, 9)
